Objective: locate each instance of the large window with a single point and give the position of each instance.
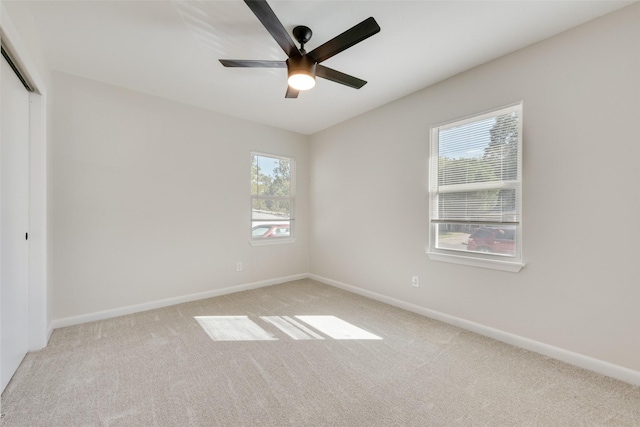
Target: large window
(272, 199)
(475, 189)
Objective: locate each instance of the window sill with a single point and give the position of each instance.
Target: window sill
(272, 241)
(492, 264)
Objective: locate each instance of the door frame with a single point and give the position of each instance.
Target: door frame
(39, 194)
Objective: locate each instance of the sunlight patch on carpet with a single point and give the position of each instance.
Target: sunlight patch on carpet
(242, 328)
(291, 327)
(337, 328)
(233, 328)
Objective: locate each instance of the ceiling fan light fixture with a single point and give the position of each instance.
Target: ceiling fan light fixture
(302, 72)
(301, 81)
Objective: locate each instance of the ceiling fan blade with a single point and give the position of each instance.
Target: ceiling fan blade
(291, 92)
(265, 14)
(252, 64)
(352, 36)
(338, 77)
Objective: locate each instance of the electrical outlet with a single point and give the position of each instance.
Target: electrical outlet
(415, 281)
(238, 266)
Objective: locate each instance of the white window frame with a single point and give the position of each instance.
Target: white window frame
(484, 260)
(291, 198)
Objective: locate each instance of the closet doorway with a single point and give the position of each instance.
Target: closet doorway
(14, 222)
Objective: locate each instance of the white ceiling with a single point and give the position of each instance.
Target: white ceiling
(171, 48)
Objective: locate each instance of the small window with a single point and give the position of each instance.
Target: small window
(272, 199)
(475, 190)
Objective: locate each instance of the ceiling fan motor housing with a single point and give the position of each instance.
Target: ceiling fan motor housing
(301, 65)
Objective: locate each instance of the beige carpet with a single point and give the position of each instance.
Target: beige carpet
(300, 354)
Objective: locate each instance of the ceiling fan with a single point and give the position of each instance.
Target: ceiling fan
(303, 67)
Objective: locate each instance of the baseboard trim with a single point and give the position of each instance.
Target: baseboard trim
(605, 368)
(107, 314)
(49, 332)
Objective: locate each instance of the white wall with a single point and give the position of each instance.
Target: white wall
(151, 199)
(581, 286)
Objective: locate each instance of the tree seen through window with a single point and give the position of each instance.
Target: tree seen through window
(271, 196)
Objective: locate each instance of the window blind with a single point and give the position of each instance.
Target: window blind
(477, 176)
